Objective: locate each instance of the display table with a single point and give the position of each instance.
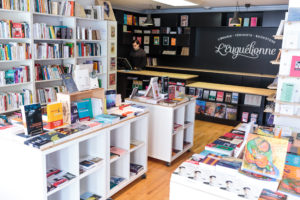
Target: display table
(125, 77)
(23, 171)
(165, 143)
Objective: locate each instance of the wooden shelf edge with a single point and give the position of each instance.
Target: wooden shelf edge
(284, 115)
(278, 37)
(274, 62)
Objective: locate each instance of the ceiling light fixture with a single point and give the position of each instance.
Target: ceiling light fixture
(149, 21)
(176, 2)
(235, 20)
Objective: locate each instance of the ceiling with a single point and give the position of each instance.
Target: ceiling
(149, 4)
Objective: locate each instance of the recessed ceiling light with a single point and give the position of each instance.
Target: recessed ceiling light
(176, 2)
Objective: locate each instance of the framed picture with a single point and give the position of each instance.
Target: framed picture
(295, 66)
(184, 20)
(112, 64)
(112, 79)
(112, 48)
(113, 32)
(156, 40)
(166, 41)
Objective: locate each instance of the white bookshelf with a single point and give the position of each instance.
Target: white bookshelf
(25, 167)
(56, 20)
(162, 138)
(290, 48)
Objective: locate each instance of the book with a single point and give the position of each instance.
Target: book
(165, 40)
(32, 119)
(271, 195)
(118, 151)
(110, 98)
(146, 39)
(290, 181)
(245, 117)
(227, 97)
(295, 67)
(104, 118)
(97, 106)
(246, 22)
(74, 113)
(254, 117)
(205, 94)
(173, 41)
(253, 22)
(212, 95)
(287, 90)
(220, 110)
(135, 168)
(200, 107)
(156, 22)
(184, 20)
(156, 40)
(54, 115)
(210, 109)
(265, 155)
(83, 107)
(89, 196)
(220, 96)
(90, 107)
(235, 98)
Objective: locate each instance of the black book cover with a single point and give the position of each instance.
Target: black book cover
(74, 113)
(32, 118)
(69, 33)
(69, 83)
(63, 33)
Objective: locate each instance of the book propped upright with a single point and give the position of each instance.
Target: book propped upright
(32, 119)
(295, 67)
(265, 155)
(69, 82)
(152, 89)
(54, 115)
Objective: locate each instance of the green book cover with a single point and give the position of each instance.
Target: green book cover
(287, 92)
(10, 76)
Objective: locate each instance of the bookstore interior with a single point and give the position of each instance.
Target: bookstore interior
(153, 99)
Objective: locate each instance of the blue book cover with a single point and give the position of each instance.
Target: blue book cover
(125, 19)
(200, 107)
(32, 118)
(223, 143)
(83, 110)
(69, 82)
(90, 107)
(246, 22)
(293, 160)
(103, 118)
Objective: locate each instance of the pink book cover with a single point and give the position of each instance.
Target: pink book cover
(253, 21)
(117, 150)
(295, 67)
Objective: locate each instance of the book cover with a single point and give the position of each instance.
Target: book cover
(246, 22)
(210, 109)
(89, 196)
(97, 106)
(117, 150)
(212, 95)
(205, 94)
(245, 116)
(287, 92)
(253, 22)
(271, 195)
(103, 118)
(265, 155)
(290, 182)
(17, 30)
(110, 98)
(156, 40)
(32, 119)
(54, 115)
(146, 39)
(220, 96)
(227, 97)
(295, 66)
(166, 41)
(235, 98)
(173, 41)
(83, 110)
(184, 20)
(90, 107)
(199, 93)
(69, 82)
(220, 110)
(74, 113)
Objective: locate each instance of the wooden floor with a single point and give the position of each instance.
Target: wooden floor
(156, 185)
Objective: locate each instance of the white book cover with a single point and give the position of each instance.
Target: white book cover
(82, 79)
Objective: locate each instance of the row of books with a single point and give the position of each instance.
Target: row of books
(84, 33)
(66, 8)
(88, 163)
(88, 49)
(10, 29)
(15, 51)
(97, 65)
(48, 72)
(57, 178)
(21, 5)
(246, 22)
(48, 50)
(44, 31)
(48, 94)
(218, 110)
(15, 75)
(13, 100)
(151, 61)
(213, 95)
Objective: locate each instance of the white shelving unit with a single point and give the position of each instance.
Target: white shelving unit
(290, 48)
(25, 167)
(107, 39)
(162, 138)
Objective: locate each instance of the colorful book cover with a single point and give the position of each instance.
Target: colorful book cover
(83, 110)
(271, 195)
(129, 19)
(200, 107)
(290, 182)
(173, 41)
(246, 22)
(90, 107)
(235, 98)
(253, 22)
(54, 115)
(220, 96)
(210, 109)
(231, 112)
(295, 67)
(220, 110)
(156, 40)
(228, 97)
(211, 159)
(32, 119)
(212, 95)
(117, 150)
(265, 155)
(245, 117)
(74, 113)
(287, 92)
(125, 18)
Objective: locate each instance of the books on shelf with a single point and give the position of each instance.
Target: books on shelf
(115, 180)
(48, 94)
(13, 100)
(89, 196)
(89, 162)
(10, 29)
(32, 119)
(265, 155)
(44, 31)
(20, 5)
(50, 72)
(53, 50)
(57, 178)
(15, 51)
(66, 8)
(88, 49)
(135, 168)
(15, 75)
(83, 33)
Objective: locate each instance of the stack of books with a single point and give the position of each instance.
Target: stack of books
(57, 178)
(135, 168)
(89, 163)
(115, 180)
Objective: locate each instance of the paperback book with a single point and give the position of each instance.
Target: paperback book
(32, 119)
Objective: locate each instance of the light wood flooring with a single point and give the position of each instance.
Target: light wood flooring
(156, 185)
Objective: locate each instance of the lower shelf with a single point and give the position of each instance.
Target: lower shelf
(62, 187)
(92, 170)
(185, 149)
(217, 120)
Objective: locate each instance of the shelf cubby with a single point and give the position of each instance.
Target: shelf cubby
(94, 183)
(67, 191)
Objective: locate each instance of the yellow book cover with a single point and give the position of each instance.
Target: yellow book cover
(52, 32)
(129, 19)
(55, 115)
(265, 155)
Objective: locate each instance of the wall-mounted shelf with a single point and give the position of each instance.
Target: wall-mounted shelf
(278, 37)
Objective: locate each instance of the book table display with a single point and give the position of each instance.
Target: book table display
(24, 168)
(171, 129)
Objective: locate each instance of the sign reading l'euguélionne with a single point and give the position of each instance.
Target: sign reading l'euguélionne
(227, 47)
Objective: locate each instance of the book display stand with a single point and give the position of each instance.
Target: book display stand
(33, 164)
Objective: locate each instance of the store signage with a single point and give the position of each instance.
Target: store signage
(227, 46)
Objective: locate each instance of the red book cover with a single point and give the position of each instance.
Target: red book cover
(220, 96)
(253, 22)
(17, 30)
(295, 67)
